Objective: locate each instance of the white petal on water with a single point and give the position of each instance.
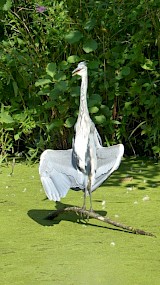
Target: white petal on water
(145, 198)
(103, 202)
(6, 187)
(24, 190)
(116, 216)
(135, 203)
(112, 243)
(144, 180)
(129, 188)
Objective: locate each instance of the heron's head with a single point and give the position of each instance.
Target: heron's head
(81, 69)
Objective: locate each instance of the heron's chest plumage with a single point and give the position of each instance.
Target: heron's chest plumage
(84, 131)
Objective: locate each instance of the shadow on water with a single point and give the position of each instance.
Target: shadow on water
(42, 217)
(139, 169)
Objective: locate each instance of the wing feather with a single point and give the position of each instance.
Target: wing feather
(58, 174)
(108, 160)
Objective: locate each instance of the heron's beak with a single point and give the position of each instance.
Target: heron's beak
(74, 72)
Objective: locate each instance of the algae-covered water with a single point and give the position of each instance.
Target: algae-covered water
(70, 251)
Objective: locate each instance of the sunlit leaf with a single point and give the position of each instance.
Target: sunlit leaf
(73, 59)
(93, 109)
(115, 122)
(90, 45)
(16, 137)
(70, 122)
(5, 118)
(101, 119)
(7, 5)
(127, 104)
(41, 82)
(148, 65)
(51, 69)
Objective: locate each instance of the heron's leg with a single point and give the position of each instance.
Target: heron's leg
(84, 201)
(90, 193)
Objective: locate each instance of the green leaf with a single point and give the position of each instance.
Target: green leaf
(125, 70)
(89, 25)
(63, 65)
(73, 37)
(60, 76)
(7, 5)
(73, 59)
(148, 65)
(75, 91)
(69, 123)
(16, 137)
(114, 122)
(51, 69)
(101, 119)
(6, 118)
(61, 86)
(127, 105)
(94, 100)
(57, 123)
(2, 3)
(156, 149)
(15, 88)
(90, 45)
(93, 109)
(93, 64)
(41, 82)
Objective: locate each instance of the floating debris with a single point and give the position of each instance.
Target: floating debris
(126, 179)
(112, 243)
(135, 202)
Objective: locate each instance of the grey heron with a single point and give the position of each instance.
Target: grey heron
(87, 164)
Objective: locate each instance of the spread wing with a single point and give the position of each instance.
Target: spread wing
(58, 174)
(108, 160)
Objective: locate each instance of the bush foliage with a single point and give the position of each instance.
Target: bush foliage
(42, 42)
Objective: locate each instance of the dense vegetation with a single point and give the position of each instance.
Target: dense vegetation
(42, 42)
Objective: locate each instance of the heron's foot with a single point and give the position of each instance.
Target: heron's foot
(82, 212)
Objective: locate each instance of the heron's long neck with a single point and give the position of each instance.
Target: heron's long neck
(83, 109)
